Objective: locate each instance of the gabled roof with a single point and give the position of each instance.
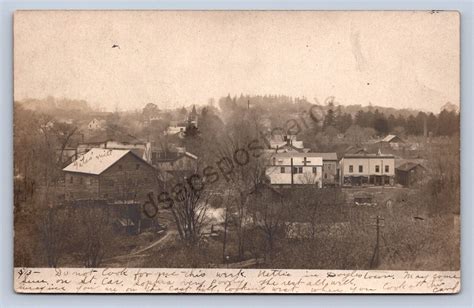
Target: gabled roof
(352, 149)
(96, 161)
(409, 166)
(391, 138)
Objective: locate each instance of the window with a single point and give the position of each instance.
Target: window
(137, 166)
(361, 168)
(274, 161)
(282, 169)
(120, 167)
(351, 168)
(81, 180)
(315, 170)
(387, 168)
(71, 179)
(325, 175)
(377, 168)
(297, 170)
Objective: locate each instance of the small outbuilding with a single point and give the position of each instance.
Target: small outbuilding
(409, 174)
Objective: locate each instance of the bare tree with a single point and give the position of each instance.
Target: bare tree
(270, 211)
(54, 226)
(93, 232)
(189, 212)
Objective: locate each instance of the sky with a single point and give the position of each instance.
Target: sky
(173, 59)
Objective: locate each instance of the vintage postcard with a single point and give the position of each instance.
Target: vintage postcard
(245, 152)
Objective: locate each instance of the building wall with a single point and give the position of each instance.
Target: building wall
(368, 166)
(329, 172)
(309, 174)
(128, 179)
(81, 186)
(369, 173)
(411, 177)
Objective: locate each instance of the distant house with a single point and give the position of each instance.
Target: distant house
(393, 140)
(176, 128)
(285, 144)
(409, 174)
(95, 124)
(111, 175)
(176, 160)
(295, 169)
(280, 140)
(367, 169)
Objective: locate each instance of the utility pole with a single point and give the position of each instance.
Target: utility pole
(291, 160)
(374, 262)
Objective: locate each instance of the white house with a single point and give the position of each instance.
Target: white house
(295, 169)
(367, 169)
(176, 128)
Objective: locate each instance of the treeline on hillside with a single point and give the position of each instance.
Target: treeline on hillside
(446, 123)
(339, 118)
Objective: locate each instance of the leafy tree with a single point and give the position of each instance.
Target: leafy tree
(329, 119)
(381, 125)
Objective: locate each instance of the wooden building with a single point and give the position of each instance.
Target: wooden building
(178, 160)
(367, 169)
(295, 169)
(330, 168)
(409, 174)
(110, 174)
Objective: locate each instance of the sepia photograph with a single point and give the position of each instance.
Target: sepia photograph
(236, 151)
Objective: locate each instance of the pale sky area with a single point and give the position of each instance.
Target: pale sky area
(396, 59)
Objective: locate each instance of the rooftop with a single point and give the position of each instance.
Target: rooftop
(325, 156)
(389, 138)
(409, 166)
(367, 155)
(96, 161)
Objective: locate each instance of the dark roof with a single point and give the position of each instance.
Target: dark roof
(324, 156)
(327, 156)
(366, 155)
(409, 166)
(352, 149)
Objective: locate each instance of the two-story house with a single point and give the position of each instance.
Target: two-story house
(367, 169)
(295, 169)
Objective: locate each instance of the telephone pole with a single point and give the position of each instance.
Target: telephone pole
(374, 262)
